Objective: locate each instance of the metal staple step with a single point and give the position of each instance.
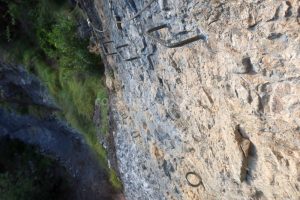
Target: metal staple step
(172, 44)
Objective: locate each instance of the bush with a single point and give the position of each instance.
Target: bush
(62, 45)
(50, 47)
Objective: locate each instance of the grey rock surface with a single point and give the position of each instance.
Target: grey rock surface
(225, 107)
(20, 87)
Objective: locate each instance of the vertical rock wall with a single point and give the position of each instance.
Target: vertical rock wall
(217, 118)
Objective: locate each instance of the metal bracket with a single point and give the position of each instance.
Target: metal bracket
(105, 51)
(125, 59)
(172, 44)
(118, 52)
(150, 61)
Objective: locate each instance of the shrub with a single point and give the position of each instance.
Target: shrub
(50, 47)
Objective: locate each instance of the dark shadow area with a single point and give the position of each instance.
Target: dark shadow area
(252, 161)
(27, 175)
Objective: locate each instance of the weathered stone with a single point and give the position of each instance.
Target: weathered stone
(246, 72)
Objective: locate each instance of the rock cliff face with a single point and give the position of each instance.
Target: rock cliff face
(217, 118)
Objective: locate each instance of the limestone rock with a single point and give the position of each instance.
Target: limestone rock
(190, 99)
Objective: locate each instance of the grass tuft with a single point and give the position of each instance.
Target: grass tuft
(50, 47)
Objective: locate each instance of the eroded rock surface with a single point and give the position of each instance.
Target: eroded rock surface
(225, 107)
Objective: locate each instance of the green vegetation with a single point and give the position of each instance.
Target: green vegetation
(19, 163)
(42, 35)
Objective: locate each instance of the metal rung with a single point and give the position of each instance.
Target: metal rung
(121, 46)
(128, 59)
(125, 59)
(106, 53)
(118, 20)
(140, 12)
(108, 42)
(150, 61)
(172, 44)
(111, 54)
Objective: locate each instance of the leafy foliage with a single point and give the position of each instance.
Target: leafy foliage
(43, 37)
(61, 44)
